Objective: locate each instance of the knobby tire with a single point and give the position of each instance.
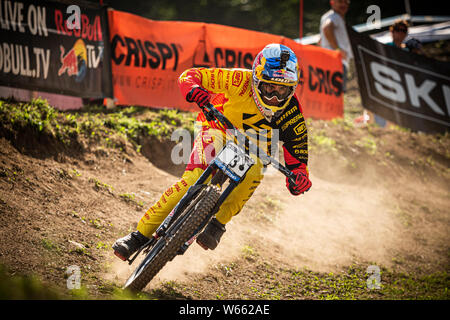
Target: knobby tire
(202, 204)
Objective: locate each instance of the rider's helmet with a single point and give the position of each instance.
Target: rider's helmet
(275, 77)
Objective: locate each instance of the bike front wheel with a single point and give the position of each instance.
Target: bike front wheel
(167, 246)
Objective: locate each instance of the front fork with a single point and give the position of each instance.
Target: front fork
(222, 198)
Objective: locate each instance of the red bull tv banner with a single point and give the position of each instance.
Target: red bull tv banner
(57, 47)
(408, 89)
(148, 57)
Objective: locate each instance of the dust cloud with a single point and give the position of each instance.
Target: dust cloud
(333, 225)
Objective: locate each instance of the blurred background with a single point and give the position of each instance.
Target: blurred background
(276, 17)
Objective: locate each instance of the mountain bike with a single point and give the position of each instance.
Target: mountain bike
(200, 203)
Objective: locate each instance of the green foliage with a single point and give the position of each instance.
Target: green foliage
(352, 284)
(106, 127)
(98, 185)
(14, 287)
(368, 143)
(49, 245)
(131, 198)
(249, 252)
(36, 114)
(102, 245)
(80, 294)
(319, 141)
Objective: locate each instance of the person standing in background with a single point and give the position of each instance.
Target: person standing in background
(399, 31)
(333, 33)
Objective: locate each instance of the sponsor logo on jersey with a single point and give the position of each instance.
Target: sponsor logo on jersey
(237, 78)
(299, 145)
(300, 128)
(294, 120)
(286, 114)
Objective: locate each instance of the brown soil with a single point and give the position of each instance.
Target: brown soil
(388, 208)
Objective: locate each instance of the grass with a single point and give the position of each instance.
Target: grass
(368, 143)
(102, 245)
(96, 223)
(36, 114)
(321, 142)
(98, 185)
(25, 287)
(353, 283)
(264, 281)
(131, 198)
(96, 124)
(49, 245)
(257, 278)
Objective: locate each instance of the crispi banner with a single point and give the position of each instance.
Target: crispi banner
(55, 47)
(148, 57)
(320, 91)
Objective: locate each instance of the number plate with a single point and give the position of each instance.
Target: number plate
(233, 161)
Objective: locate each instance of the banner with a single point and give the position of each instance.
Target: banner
(410, 90)
(55, 47)
(148, 57)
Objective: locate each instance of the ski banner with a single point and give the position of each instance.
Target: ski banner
(148, 57)
(408, 89)
(55, 47)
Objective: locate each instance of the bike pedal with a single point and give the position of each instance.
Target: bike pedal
(120, 256)
(202, 245)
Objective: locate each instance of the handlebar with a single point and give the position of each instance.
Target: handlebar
(216, 115)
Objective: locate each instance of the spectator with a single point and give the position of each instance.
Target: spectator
(399, 31)
(333, 33)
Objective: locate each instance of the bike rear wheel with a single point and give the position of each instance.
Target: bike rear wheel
(167, 247)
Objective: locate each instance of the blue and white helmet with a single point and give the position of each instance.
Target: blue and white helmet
(275, 78)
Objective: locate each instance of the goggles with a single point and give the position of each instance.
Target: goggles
(270, 90)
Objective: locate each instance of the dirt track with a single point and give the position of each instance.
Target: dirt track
(386, 206)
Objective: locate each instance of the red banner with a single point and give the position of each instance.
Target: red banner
(148, 57)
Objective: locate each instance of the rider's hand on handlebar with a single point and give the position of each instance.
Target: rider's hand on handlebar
(302, 182)
(199, 95)
(202, 98)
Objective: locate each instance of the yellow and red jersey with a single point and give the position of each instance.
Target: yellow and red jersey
(233, 97)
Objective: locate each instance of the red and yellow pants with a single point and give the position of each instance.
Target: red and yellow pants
(206, 145)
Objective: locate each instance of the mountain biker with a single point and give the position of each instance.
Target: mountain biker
(257, 101)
